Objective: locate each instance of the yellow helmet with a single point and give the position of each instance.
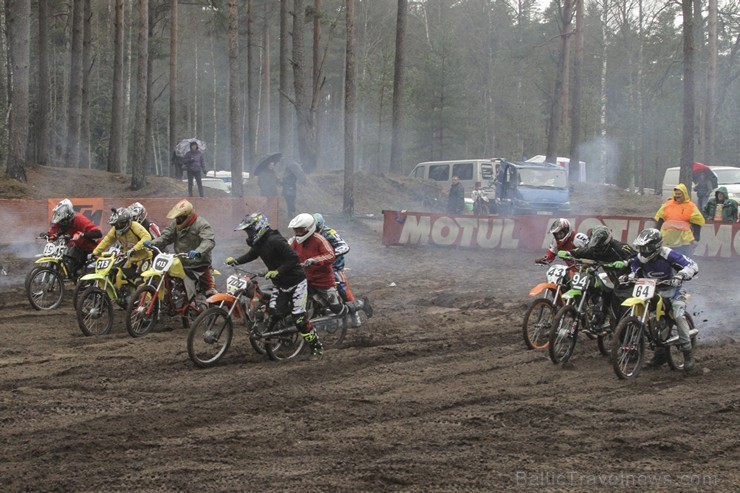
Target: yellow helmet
(182, 209)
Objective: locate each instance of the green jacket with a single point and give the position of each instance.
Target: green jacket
(197, 236)
(729, 207)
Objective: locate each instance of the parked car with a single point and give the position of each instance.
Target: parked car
(531, 188)
(727, 176)
(473, 173)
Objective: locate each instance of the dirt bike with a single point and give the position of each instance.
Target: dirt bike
(585, 310)
(211, 333)
(168, 291)
(538, 318)
(481, 204)
(109, 283)
(648, 323)
(44, 283)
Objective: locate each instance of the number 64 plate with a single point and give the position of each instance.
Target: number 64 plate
(644, 288)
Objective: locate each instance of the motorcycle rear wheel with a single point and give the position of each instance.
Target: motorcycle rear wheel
(142, 312)
(45, 287)
(210, 337)
(285, 346)
(94, 312)
(674, 355)
(564, 334)
(628, 348)
(537, 323)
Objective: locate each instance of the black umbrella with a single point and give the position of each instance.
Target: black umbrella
(264, 162)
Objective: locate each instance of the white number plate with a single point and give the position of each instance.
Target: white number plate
(102, 264)
(163, 262)
(49, 249)
(234, 284)
(580, 281)
(556, 273)
(644, 288)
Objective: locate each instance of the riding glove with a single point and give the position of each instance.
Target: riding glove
(676, 281)
(148, 243)
(564, 254)
(230, 261)
(541, 261)
(271, 274)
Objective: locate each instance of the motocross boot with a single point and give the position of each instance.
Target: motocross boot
(312, 338)
(659, 358)
(688, 359)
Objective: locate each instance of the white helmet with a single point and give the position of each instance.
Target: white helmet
(138, 212)
(63, 213)
(304, 220)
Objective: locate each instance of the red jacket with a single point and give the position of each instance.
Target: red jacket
(320, 275)
(80, 224)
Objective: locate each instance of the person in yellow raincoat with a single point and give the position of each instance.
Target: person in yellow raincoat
(131, 235)
(680, 221)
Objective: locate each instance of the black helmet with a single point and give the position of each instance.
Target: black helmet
(255, 225)
(648, 244)
(600, 238)
(120, 219)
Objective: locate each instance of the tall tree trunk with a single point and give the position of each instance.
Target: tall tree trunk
(602, 91)
(687, 132)
(138, 164)
(175, 170)
(128, 77)
(285, 135)
(556, 105)
(87, 65)
(575, 121)
(640, 99)
(19, 41)
(266, 86)
(710, 107)
(148, 136)
(251, 88)
(316, 101)
(348, 206)
(235, 116)
(116, 125)
(71, 156)
(43, 116)
(303, 114)
(396, 165)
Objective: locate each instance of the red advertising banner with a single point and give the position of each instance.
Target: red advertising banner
(530, 233)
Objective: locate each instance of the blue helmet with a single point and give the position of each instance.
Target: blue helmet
(319, 221)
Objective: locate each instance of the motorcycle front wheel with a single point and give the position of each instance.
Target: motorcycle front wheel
(537, 323)
(674, 354)
(564, 334)
(44, 287)
(210, 337)
(142, 312)
(628, 348)
(94, 312)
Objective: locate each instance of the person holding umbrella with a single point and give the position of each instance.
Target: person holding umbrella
(195, 166)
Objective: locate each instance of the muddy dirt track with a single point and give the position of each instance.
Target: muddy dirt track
(436, 393)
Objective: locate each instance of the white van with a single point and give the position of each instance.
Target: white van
(727, 176)
(472, 173)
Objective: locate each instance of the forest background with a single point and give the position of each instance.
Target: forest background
(371, 85)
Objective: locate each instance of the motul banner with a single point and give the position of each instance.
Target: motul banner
(530, 233)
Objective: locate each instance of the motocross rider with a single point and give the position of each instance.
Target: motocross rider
(193, 235)
(285, 272)
(131, 235)
(85, 234)
(340, 249)
(317, 256)
(654, 261)
(139, 214)
(602, 247)
(564, 238)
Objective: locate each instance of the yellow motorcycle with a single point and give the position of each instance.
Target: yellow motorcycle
(168, 291)
(110, 282)
(44, 283)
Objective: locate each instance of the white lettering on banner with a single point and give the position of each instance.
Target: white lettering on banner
(716, 241)
(507, 236)
(617, 226)
(489, 233)
(444, 231)
(415, 230)
(468, 225)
